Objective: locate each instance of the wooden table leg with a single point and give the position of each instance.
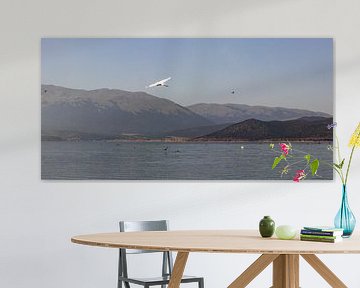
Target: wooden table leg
(286, 271)
(178, 269)
(293, 262)
(324, 271)
(253, 270)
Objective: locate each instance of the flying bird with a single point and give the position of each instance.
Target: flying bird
(332, 125)
(160, 83)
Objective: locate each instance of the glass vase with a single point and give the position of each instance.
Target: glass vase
(345, 219)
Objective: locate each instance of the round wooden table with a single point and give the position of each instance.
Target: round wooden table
(284, 254)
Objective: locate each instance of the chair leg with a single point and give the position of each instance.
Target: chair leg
(201, 283)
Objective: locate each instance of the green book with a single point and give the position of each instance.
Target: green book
(325, 240)
(319, 236)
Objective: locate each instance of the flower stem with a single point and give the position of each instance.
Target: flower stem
(348, 167)
(337, 171)
(351, 155)
(340, 171)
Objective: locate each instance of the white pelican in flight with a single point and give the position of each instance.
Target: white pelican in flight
(160, 83)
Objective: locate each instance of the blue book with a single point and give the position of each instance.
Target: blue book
(322, 231)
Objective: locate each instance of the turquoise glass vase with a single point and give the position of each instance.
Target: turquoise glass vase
(345, 219)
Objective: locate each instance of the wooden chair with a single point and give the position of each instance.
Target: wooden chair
(167, 262)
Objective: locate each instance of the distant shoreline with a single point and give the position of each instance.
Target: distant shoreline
(118, 141)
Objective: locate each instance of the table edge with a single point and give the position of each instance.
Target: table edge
(203, 250)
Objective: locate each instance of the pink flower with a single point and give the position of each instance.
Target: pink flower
(300, 175)
(284, 148)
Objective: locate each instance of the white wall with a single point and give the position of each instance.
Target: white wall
(38, 218)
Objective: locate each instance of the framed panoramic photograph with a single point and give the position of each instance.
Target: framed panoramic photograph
(186, 108)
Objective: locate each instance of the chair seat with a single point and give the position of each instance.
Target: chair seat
(158, 280)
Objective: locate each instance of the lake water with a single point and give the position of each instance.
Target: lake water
(168, 161)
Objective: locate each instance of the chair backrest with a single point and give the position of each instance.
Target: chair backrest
(134, 226)
(137, 226)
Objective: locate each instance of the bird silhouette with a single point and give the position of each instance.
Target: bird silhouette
(159, 83)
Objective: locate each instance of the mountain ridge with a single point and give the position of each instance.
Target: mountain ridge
(234, 113)
(302, 129)
(110, 113)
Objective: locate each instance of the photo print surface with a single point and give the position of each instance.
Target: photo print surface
(184, 108)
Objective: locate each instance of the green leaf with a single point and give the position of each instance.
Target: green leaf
(339, 166)
(314, 166)
(307, 157)
(272, 146)
(342, 163)
(277, 161)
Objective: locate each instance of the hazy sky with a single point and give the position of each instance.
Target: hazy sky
(285, 72)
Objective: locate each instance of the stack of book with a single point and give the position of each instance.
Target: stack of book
(321, 234)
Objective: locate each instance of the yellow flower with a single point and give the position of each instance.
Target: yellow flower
(355, 138)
